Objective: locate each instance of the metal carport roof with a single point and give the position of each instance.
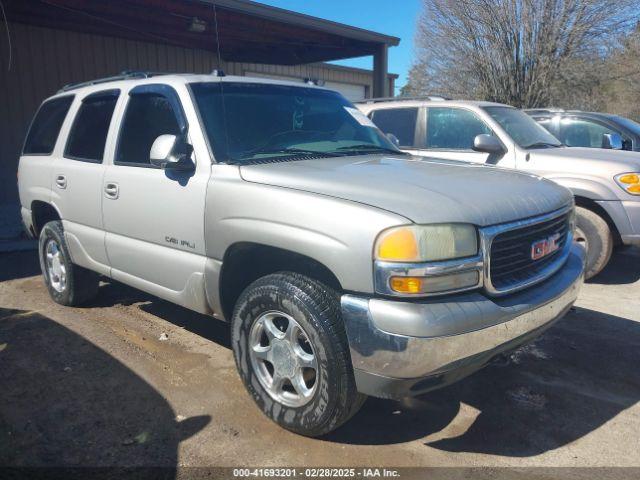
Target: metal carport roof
(247, 31)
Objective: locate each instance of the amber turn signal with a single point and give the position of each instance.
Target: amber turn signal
(629, 178)
(435, 284)
(406, 284)
(630, 182)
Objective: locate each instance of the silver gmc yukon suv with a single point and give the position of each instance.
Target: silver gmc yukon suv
(605, 183)
(345, 267)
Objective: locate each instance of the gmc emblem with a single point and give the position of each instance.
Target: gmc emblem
(542, 248)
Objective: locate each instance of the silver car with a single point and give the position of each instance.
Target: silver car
(345, 267)
(605, 183)
(576, 128)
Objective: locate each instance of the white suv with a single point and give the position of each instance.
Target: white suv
(605, 183)
(345, 268)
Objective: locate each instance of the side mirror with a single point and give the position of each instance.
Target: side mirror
(393, 139)
(487, 144)
(171, 152)
(612, 141)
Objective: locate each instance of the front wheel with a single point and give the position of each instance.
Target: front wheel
(292, 353)
(594, 233)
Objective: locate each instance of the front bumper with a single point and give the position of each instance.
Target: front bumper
(400, 349)
(626, 217)
(633, 211)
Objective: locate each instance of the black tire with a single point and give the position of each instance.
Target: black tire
(316, 308)
(81, 285)
(594, 232)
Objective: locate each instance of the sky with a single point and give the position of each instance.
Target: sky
(396, 18)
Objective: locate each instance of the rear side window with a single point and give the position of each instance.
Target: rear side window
(46, 125)
(148, 116)
(88, 134)
(399, 121)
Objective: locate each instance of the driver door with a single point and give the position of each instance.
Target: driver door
(154, 218)
(450, 133)
(578, 131)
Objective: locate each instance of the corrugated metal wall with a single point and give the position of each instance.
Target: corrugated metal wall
(42, 60)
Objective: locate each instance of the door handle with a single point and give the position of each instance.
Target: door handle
(111, 190)
(61, 181)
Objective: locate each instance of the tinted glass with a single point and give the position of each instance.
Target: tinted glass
(453, 128)
(575, 132)
(628, 123)
(89, 131)
(399, 121)
(249, 122)
(147, 117)
(522, 128)
(46, 125)
(548, 124)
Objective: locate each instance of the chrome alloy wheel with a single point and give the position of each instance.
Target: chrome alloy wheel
(54, 262)
(283, 359)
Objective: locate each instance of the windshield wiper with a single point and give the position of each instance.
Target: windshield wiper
(285, 151)
(370, 147)
(542, 145)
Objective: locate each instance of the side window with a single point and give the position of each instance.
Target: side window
(575, 132)
(548, 124)
(399, 121)
(88, 134)
(46, 125)
(148, 115)
(453, 128)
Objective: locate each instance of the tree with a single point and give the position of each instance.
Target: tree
(622, 84)
(513, 51)
(419, 81)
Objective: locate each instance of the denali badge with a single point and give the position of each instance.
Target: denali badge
(542, 248)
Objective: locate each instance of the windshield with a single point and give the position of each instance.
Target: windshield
(523, 129)
(627, 123)
(255, 122)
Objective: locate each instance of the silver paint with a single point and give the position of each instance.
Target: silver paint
(384, 271)
(412, 340)
(587, 172)
(330, 210)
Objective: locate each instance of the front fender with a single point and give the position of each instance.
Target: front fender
(337, 233)
(592, 188)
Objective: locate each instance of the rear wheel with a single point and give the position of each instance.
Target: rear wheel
(594, 233)
(68, 284)
(292, 353)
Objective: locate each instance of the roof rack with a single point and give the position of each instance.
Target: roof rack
(125, 75)
(433, 98)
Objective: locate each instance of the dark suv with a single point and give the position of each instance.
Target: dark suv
(590, 129)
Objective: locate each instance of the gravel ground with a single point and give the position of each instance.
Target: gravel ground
(96, 386)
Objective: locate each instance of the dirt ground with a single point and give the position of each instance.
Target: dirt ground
(96, 386)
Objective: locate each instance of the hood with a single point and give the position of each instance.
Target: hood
(590, 159)
(424, 190)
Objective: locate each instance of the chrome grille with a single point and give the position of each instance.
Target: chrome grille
(511, 265)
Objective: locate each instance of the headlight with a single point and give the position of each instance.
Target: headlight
(630, 182)
(427, 243)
